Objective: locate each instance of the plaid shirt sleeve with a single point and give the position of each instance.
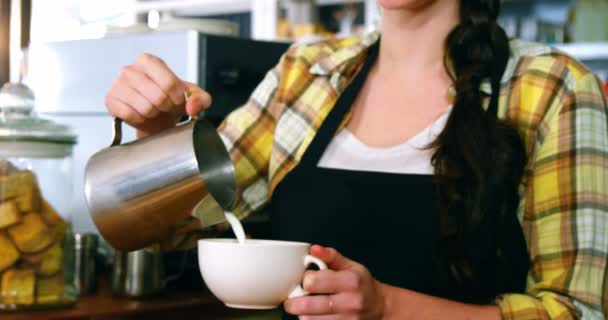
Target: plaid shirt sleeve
(248, 134)
(565, 210)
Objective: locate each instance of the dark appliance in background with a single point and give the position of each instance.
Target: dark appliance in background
(231, 68)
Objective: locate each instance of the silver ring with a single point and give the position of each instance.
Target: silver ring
(331, 305)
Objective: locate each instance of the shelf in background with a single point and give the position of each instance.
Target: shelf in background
(586, 51)
(196, 7)
(329, 2)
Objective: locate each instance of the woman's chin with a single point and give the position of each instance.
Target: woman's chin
(406, 4)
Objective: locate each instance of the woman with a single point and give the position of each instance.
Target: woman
(462, 174)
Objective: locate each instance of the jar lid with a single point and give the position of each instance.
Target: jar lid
(18, 122)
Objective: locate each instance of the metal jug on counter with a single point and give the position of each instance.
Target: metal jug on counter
(141, 273)
(140, 192)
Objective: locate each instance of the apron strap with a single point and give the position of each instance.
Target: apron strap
(333, 120)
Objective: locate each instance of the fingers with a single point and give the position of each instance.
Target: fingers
(347, 290)
(332, 257)
(329, 281)
(341, 303)
(348, 303)
(139, 99)
(156, 69)
(141, 83)
(341, 289)
(128, 95)
(198, 99)
(310, 305)
(121, 110)
(327, 317)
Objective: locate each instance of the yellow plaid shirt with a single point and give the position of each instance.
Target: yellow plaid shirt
(560, 111)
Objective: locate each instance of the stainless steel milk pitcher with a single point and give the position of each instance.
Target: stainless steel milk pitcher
(139, 192)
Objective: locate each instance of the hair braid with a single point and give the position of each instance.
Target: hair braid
(479, 161)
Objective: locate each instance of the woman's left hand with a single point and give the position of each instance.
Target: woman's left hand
(346, 290)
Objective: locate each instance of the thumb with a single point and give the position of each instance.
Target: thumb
(198, 99)
(332, 257)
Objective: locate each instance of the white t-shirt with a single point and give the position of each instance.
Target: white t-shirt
(347, 152)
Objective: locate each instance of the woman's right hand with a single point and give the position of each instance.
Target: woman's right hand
(150, 97)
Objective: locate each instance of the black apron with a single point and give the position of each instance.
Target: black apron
(384, 221)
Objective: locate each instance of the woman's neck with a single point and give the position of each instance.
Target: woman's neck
(414, 39)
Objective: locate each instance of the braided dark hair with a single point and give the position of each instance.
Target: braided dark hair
(479, 160)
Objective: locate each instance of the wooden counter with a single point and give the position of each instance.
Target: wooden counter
(172, 305)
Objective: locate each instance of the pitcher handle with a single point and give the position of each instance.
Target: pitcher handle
(189, 117)
(117, 133)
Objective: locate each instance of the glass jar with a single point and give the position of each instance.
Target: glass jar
(35, 195)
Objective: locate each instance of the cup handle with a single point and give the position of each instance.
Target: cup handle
(308, 260)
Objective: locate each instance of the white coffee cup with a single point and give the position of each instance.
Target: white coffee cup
(259, 274)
